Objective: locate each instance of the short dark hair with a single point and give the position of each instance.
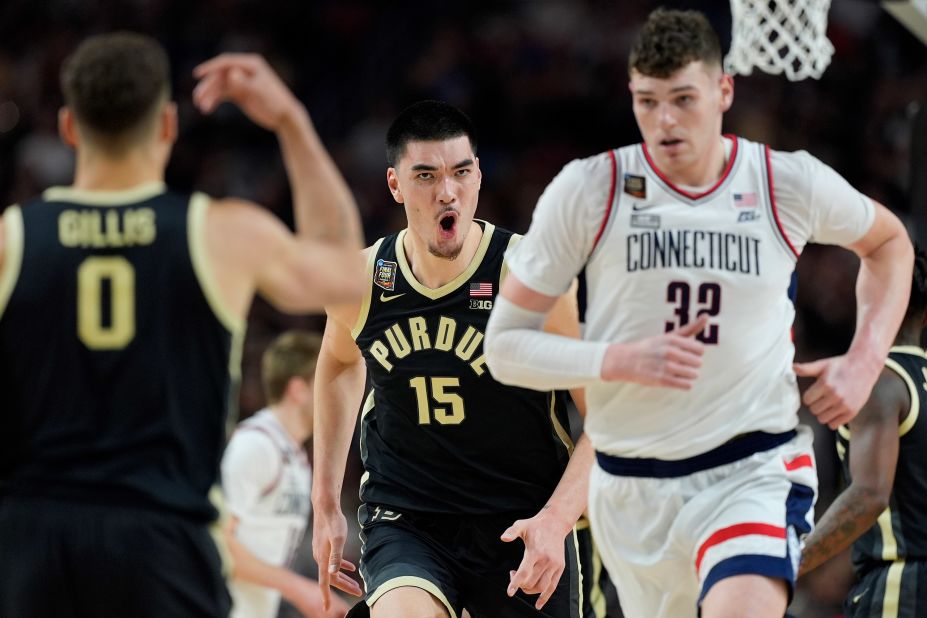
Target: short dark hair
(114, 82)
(672, 39)
(426, 121)
(291, 355)
(917, 304)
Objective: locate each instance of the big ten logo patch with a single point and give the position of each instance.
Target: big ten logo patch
(384, 275)
(476, 303)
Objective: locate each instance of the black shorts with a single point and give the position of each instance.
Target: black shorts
(64, 560)
(458, 559)
(898, 587)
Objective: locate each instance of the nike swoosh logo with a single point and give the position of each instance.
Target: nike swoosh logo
(860, 595)
(642, 207)
(384, 298)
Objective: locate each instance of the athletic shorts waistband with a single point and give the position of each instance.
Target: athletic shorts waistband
(729, 452)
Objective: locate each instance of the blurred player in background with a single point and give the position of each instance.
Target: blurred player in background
(882, 511)
(122, 306)
(452, 458)
(267, 479)
(703, 485)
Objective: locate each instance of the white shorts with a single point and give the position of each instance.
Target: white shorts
(667, 540)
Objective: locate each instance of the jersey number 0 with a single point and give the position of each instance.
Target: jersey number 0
(117, 330)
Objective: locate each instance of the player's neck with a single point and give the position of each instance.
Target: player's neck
(433, 271)
(706, 170)
(291, 418)
(96, 171)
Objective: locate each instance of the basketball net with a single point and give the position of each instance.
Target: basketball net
(779, 36)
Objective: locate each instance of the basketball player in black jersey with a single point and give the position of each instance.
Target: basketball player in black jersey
(122, 307)
(452, 457)
(883, 511)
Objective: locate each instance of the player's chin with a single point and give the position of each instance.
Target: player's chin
(446, 250)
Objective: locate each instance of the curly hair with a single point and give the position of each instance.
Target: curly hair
(670, 40)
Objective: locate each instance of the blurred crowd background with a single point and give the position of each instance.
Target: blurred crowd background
(544, 80)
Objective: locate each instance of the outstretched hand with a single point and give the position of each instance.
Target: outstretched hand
(841, 388)
(249, 82)
(544, 559)
(672, 359)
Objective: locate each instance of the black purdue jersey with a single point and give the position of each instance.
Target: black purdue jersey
(901, 531)
(438, 433)
(114, 351)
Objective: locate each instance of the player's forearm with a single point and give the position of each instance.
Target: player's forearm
(852, 513)
(249, 568)
(338, 389)
(568, 502)
(323, 205)
(518, 353)
(882, 290)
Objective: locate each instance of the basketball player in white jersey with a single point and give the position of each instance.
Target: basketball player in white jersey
(267, 481)
(703, 486)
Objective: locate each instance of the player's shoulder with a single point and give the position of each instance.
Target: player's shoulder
(253, 435)
(595, 167)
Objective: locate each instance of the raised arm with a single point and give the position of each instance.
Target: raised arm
(327, 222)
(339, 386)
(882, 289)
(873, 459)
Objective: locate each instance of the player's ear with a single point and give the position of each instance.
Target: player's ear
(66, 128)
(727, 91)
(392, 181)
(167, 123)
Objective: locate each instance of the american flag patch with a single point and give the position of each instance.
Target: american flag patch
(745, 200)
(480, 289)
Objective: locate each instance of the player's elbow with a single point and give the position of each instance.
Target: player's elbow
(872, 498)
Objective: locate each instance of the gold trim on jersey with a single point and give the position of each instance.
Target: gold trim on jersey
(368, 291)
(368, 406)
(889, 544)
(891, 601)
(915, 408)
(450, 286)
(844, 432)
(562, 433)
(505, 262)
(196, 239)
(12, 253)
(579, 573)
(413, 582)
(136, 194)
(910, 349)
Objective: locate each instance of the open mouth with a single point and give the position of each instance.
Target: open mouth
(669, 143)
(447, 224)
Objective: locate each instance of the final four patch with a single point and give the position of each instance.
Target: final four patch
(635, 186)
(384, 275)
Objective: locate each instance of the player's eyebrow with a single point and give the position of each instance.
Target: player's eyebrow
(672, 90)
(424, 167)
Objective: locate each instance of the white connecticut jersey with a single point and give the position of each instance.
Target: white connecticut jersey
(267, 481)
(657, 256)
